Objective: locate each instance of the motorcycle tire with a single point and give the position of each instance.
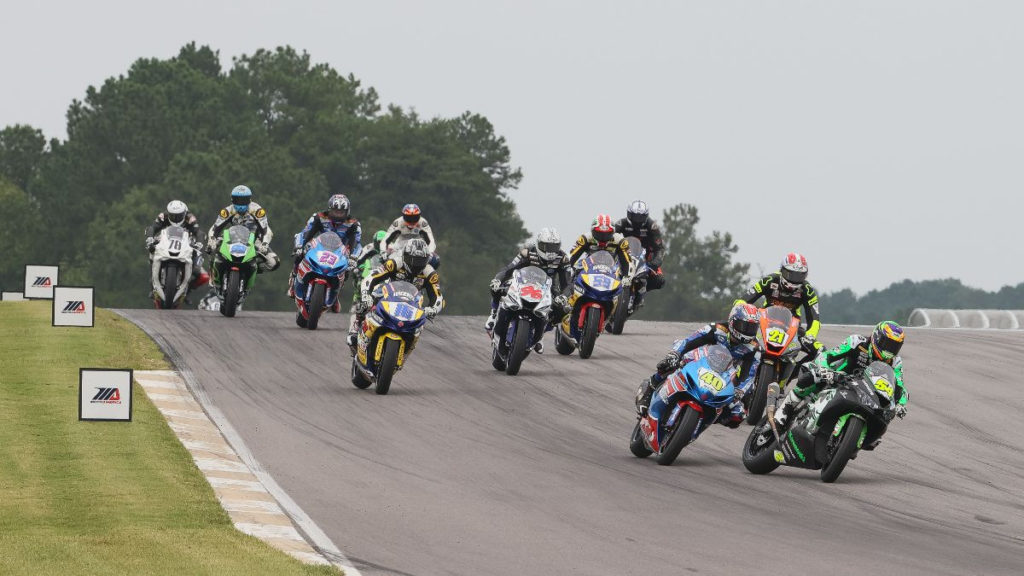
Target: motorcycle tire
(759, 396)
(844, 451)
(358, 380)
(562, 344)
(170, 285)
(231, 293)
(591, 327)
(636, 443)
(759, 460)
(620, 313)
(315, 305)
(520, 346)
(681, 436)
(387, 367)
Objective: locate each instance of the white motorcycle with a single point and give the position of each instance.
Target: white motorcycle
(171, 266)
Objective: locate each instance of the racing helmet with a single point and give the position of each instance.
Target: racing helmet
(378, 237)
(176, 211)
(637, 212)
(602, 229)
(415, 255)
(886, 341)
(793, 271)
(338, 207)
(411, 214)
(743, 323)
(549, 245)
(241, 197)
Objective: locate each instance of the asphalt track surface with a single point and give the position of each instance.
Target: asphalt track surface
(463, 470)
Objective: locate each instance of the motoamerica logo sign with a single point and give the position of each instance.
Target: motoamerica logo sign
(74, 307)
(42, 281)
(107, 396)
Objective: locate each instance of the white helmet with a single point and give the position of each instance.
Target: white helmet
(549, 243)
(176, 211)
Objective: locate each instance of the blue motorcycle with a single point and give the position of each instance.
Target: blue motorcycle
(388, 335)
(685, 404)
(319, 278)
(596, 288)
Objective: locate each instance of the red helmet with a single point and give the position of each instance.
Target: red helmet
(602, 229)
(411, 214)
(793, 271)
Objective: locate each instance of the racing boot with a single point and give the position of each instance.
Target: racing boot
(786, 410)
(291, 285)
(643, 396)
(539, 347)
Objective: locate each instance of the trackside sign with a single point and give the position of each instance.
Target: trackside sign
(40, 280)
(105, 395)
(73, 306)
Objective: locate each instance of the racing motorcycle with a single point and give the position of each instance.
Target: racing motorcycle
(526, 304)
(827, 432)
(685, 404)
(319, 277)
(779, 349)
(171, 267)
(595, 288)
(388, 335)
(234, 268)
(634, 284)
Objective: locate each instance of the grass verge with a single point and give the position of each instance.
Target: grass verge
(103, 497)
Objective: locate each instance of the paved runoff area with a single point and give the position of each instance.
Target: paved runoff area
(248, 502)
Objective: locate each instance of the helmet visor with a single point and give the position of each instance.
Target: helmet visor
(793, 278)
(603, 236)
(176, 218)
(636, 219)
(745, 329)
(416, 262)
(411, 218)
(337, 213)
(885, 348)
(549, 248)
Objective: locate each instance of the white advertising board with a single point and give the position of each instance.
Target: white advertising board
(39, 281)
(12, 296)
(105, 394)
(73, 306)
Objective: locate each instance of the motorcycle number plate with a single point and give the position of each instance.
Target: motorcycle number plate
(239, 250)
(712, 380)
(531, 293)
(776, 336)
(327, 258)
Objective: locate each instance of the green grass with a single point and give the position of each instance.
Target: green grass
(103, 497)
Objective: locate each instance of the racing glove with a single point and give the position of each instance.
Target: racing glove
(495, 287)
(901, 411)
(809, 343)
(669, 363)
(431, 312)
(150, 244)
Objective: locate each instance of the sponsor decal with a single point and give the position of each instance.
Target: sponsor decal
(107, 396)
(74, 307)
(43, 281)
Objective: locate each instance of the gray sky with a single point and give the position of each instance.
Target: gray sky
(883, 139)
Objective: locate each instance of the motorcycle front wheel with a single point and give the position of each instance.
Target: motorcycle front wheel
(759, 396)
(170, 285)
(520, 343)
(759, 459)
(315, 305)
(636, 443)
(846, 447)
(591, 326)
(621, 312)
(680, 437)
(388, 365)
(231, 293)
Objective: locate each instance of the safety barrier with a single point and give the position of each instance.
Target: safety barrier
(994, 319)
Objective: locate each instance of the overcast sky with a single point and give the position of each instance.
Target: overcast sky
(882, 139)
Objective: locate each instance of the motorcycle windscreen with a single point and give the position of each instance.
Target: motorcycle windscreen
(176, 232)
(779, 315)
(636, 248)
(238, 235)
(330, 241)
(532, 275)
(401, 290)
(602, 263)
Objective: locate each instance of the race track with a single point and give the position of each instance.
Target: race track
(463, 470)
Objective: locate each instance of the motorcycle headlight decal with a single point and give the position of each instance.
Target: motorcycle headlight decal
(239, 250)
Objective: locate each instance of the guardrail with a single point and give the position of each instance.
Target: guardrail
(993, 319)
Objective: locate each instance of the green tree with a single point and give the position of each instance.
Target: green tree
(19, 236)
(21, 152)
(701, 278)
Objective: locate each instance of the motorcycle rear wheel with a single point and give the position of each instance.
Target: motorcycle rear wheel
(591, 325)
(231, 294)
(636, 443)
(847, 447)
(315, 305)
(759, 460)
(170, 285)
(759, 396)
(621, 312)
(520, 342)
(388, 365)
(681, 436)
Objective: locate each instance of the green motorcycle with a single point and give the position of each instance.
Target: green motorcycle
(234, 268)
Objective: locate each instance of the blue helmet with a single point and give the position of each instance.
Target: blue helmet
(241, 196)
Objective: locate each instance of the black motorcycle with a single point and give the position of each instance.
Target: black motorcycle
(826, 433)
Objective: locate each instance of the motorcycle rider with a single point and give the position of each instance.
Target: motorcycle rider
(411, 225)
(602, 237)
(177, 213)
(737, 334)
(411, 265)
(639, 224)
(851, 357)
(545, 253)
(243, 211)
(789, 288)
(338, 219)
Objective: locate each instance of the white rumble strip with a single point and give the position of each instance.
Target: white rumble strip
(252, 508)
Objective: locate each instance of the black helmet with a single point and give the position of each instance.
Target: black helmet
(415, 256)
(637, 212)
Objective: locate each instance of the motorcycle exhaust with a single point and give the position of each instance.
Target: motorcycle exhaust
(773, 400)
